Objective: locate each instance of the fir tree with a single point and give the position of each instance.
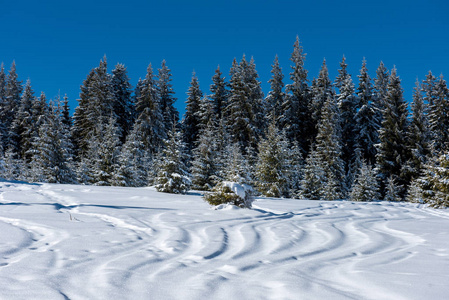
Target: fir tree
(347, 104)
(167, 100)
(321, 91)
(439, 116)
(276, 95)
(365, 187)
(150, 117)
(10, 103)
(191, 122)
(271, 168)
(295, 118)
(172, 173)
(205, 163)
(66, 119)
(367, 123)
(22, 126)
(392, 152)
(123, 105)
(314, 178)
(393, 190)
(134, 161)
(219, 94)
(380, 91)
(418, 136)
(434, 185)
(295, 165)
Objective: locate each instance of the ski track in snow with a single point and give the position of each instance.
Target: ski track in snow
(82, 242)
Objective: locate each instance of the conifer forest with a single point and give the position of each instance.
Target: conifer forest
(351, 137)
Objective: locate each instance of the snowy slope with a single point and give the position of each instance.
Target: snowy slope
(83, 242)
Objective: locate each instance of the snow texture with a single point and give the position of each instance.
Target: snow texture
(92, 242)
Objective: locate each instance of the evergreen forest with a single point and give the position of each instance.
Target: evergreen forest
(349, 137)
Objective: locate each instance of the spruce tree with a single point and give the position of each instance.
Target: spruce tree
(150, 117)
(21, 127)
(219, 92)
(295, 118)
(191, 122)
(365, 186)
(367, 122)
(434, 185)
(271, 168)
(439, 116)
(123, 105)
(276, 95)
(172, 174)
(321, 91)
(393, 191)
(10, 104)
(392, 151)
(314, 178)
(380, 91)
(347, 104)
(418, 136)
(167, 100)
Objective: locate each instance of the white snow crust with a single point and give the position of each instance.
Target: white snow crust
(85, 242)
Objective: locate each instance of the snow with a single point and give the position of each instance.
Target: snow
(86, 242)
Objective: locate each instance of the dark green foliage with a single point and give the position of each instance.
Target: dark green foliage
(225, 193)
(192, 118)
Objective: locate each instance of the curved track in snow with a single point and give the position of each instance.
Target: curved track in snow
(79, 242)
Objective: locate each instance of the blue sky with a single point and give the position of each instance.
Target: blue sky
(56, 43)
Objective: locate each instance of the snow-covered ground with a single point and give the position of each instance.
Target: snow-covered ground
(84, 242)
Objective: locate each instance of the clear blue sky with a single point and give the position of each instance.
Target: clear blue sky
(56, 43)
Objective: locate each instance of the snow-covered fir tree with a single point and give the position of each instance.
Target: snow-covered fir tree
(22, 126)
(380, 90)
(123, 105)
(347, 104)
(150, 118)
(393, 191)
(271, 168)
(172, 172)
(434, 184)
(134, 161)
(205, 161)
(295, 165)
(10, 103)
(191, 121)
(367, 122)
(314, 177)
(392, 150)
(167, 99)
(365, 186)
(276, 95)
(52, 161)
(321, 91)
(418, 136)
(296, 117)
(439, 115)
(219, 93)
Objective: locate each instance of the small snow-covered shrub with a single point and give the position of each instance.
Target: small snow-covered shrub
(228, 192)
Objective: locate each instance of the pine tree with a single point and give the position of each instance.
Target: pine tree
(66, 119)
(276, 96)
(192, 121)
(347, 104)
(367, 123)
(392, 152)
(10, 104)
(241, 111)
(295, 118)
(380, 91)
(167, 100)
(21, 127)
(134, 161)
(393, 191)
(271, 168)
(439, 116)
(235, 167)
(418, 136)
(150, 117)
(205, 164)
(321, 91)
(219, 92)
(295, 165)
(434, 185)
(365, 187)
(123, 105)
(314, 178)
(172, 173)
(3, 128)
(52, 160)
(104, 153)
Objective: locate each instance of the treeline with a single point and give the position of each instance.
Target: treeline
(319, 139)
